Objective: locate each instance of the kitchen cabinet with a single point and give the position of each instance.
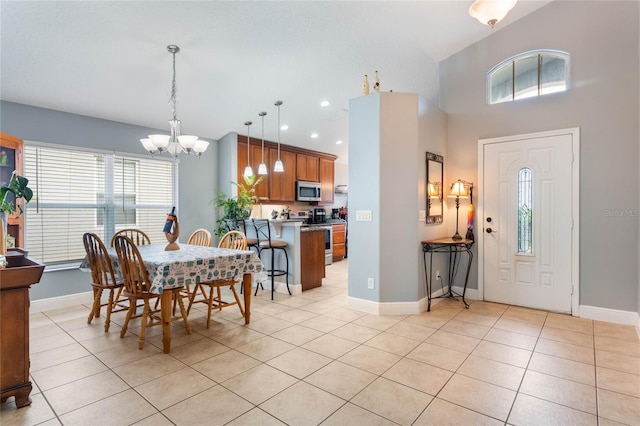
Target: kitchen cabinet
(307, 168)
(282, 186)
(11, 152)
(15, 281)
(255, 157)
(326, 180)
(311, 258)
(339, 241)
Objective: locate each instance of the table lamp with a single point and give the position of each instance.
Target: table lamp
(458, 190)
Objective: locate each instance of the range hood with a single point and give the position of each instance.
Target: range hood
(342, 189)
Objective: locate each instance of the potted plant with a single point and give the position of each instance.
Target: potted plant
(17, 186)
(238, 208)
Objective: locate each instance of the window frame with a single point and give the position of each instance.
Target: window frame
(108, 192)
(511, 60)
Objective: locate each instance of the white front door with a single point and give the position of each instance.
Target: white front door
(527, 219)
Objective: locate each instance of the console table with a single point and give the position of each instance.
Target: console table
(455, 249)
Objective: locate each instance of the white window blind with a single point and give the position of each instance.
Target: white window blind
(79, 191)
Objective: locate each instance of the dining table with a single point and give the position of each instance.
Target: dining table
(192, 264)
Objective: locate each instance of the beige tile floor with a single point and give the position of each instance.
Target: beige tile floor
(308, 360)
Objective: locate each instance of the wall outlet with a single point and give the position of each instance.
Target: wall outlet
(370, 283)
(364, 215)
(438, 276)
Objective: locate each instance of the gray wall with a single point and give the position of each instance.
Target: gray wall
(602, 39)
(389, 134)
(196, 178)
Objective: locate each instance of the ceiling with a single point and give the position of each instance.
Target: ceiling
(109, 60)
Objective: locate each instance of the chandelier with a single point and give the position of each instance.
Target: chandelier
(175, 143)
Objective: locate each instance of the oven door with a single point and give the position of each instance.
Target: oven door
(328, 245)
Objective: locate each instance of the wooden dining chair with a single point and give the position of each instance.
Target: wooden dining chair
(234, 240)
(138, 237)
(137, 286)
(200, 237)
(103, 278)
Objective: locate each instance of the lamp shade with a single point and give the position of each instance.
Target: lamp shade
(262, 169)
(160, 141)
(458, 189)
(201, 146)
(278, 167)
(148, 145)
(489, 12)
(187, 141)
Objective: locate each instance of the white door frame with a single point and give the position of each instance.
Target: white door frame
(575, 208)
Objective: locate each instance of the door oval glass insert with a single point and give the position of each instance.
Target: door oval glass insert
(525, 211)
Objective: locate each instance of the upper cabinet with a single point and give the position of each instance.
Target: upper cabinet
(326, 180)
(307, 168)
(283, 184)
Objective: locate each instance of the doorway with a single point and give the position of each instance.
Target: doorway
(528, 229)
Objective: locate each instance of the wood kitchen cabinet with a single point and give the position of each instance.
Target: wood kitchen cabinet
(282, 186)
(311, 258)
(15, 281)
(326, 180)
(11, 154)
(339, 240)
(307, 168)
(255, 157)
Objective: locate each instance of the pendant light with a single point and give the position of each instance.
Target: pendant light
(248, 171)
(278, 167)
(262, 168)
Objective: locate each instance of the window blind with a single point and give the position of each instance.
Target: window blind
(79, 191)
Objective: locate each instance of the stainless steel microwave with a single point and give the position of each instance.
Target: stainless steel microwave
(307, 191)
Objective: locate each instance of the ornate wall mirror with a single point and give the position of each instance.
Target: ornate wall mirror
(434, 188)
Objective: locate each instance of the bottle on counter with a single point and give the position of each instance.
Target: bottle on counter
(171, 218)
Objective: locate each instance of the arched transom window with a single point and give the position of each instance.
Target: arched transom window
(534, 73)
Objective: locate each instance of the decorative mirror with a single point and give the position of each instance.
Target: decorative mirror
(434, 188)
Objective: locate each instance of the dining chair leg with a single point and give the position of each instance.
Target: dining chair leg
(211, 293)
(130, 311)
(107, 321)
(192, 297)
(183, 311)
(95, 309)
(235, 294)
(143, 324)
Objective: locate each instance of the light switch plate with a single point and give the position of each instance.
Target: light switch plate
(364, 215)
(423, 216)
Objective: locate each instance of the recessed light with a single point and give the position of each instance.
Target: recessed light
(325, 103)
(314, 135)
(284, 127)
(338, 142)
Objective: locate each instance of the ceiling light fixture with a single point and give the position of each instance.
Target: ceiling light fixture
(325, 103)
(175, 143)
(284, 127)
(314, 136)
(262, 168)
(278, 167)
(490, 12)
(338, 142)
(248, 171)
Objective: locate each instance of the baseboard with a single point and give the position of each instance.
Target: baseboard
(611, 315)
(402, 308)
(59, 302)
(281, 287)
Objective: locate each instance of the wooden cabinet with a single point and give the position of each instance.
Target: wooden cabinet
(255, 157)
(307, 168)
(326, 180)
(339, 240)
(11, 158)
(311, 258)
(15, 281)
(282, 186)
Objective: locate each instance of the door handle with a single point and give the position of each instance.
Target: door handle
(491, 231)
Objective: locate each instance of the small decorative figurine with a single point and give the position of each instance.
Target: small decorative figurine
(376, 83)
(365, 85)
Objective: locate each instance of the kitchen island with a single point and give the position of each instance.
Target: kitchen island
(298, 246)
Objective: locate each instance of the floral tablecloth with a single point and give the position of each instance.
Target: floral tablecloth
(192, 264)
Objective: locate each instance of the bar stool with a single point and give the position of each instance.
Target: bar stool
(265, 242)
(240, 225)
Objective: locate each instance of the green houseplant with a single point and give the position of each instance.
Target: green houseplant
(237, 208)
